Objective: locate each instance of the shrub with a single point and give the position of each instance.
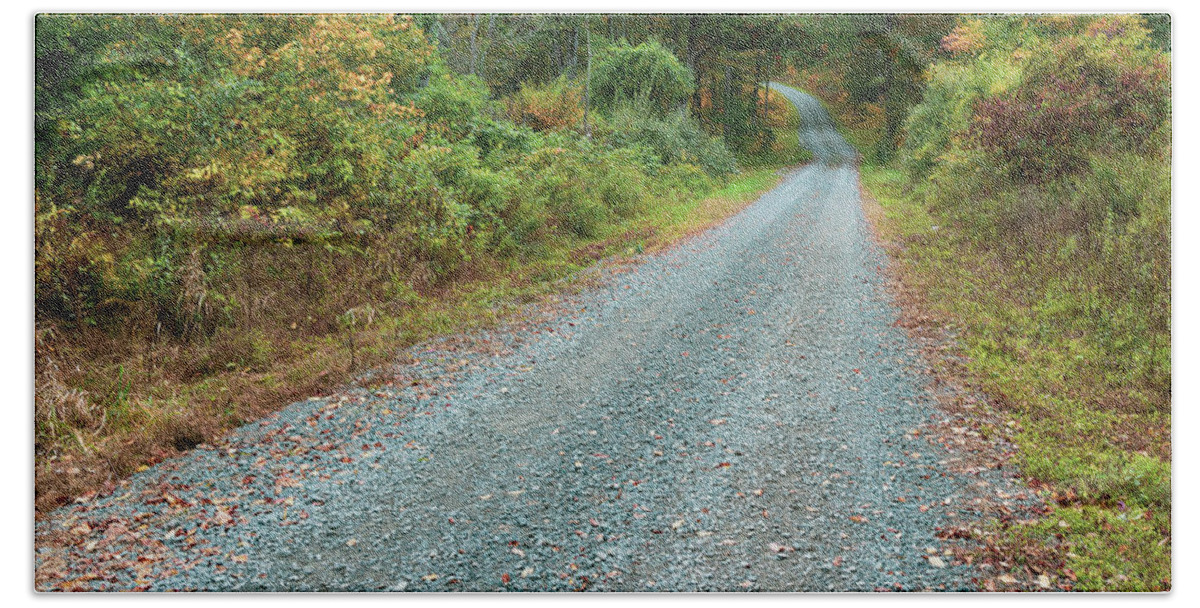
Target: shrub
(672, 138)
(553, 106)
(646, 73)
(1080, 94)
(453, 103)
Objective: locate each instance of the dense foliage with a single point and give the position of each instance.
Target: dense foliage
(217, 179)
(1039, 169)
(1059, 146)
(646, 73)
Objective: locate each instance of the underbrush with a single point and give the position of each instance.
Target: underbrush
(237, 211)
(1062, 346)
(120, 405)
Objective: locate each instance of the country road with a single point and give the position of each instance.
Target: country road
(735, 413)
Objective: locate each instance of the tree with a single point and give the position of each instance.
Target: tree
(646, 73)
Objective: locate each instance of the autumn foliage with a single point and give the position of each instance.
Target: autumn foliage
(1041, 155)
(215, 194)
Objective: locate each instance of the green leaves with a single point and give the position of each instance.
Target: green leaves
(648, 73)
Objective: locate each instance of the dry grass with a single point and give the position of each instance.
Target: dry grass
(108, 403)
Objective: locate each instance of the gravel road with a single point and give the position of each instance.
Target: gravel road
(736, 413)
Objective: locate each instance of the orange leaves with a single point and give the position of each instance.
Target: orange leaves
(550, 107)
(966, 38)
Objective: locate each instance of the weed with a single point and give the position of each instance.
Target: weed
(1093, 434)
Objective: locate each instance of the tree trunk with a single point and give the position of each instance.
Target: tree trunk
(474, 48)
(487, 41)
(757, 79)
(689, 56)
(725, 103)
(587, 85)
(766, 99)
(575, 53)
(890, 102)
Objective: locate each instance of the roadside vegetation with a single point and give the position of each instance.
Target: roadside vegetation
(1029, 207)
(235, 212)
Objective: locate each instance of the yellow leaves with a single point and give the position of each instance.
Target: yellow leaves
(205, 172)
(966, 38)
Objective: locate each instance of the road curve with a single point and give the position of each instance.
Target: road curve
(818, 132)
(735, 413)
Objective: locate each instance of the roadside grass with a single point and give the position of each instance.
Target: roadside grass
(162, 400)
(1101, 457)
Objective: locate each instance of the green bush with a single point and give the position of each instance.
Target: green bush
(195, 176)
(647, 73)
(671, 138)
(554, 106)
(453, 102)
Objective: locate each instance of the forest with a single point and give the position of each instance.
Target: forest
(259, 204)
(233, 212)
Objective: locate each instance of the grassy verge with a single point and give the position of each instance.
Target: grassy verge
(156, 404)
(1104, 468)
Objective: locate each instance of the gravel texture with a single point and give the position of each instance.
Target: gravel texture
(736, 413)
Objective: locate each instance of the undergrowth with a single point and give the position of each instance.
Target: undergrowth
(156, 400)
(1102, 458)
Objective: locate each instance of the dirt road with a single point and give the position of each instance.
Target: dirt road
(736, 413)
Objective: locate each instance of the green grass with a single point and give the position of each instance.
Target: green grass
(151, 411)
(1029, 348)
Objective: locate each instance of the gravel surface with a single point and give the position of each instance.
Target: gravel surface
(736, 413)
